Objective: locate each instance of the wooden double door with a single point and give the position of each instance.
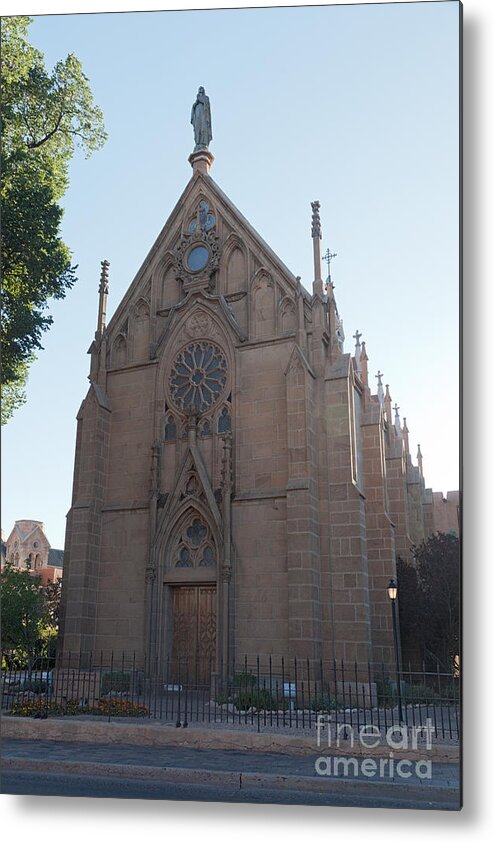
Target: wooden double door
(194, 633)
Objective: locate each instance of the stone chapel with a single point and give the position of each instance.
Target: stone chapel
(238, 488)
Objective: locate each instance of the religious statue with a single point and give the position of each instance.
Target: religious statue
(201, 120)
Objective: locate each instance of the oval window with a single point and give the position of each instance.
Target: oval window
(197, 258)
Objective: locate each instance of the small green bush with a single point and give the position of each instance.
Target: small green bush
(386, 692)
(323, 702)
(116, 682)
(222, 698)
(244, 681)
(260, 699)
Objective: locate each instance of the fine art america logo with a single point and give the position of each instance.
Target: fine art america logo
(396, 738)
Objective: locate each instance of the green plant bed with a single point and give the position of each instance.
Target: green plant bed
(118, 707)
(33, 707)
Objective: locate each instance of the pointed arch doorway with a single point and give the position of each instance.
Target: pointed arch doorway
(191, 599)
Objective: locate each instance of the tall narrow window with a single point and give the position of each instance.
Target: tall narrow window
(224, 421)
(170, 429)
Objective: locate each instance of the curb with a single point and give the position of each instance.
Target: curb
(123, 733)
(236, 780)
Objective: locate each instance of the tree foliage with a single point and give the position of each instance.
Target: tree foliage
(24, 613)
(30, 614)
(429, 600)
(14, 393)
(44, 118)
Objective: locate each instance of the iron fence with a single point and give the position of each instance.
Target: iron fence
(263, 692)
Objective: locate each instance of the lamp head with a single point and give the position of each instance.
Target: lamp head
(392, 589)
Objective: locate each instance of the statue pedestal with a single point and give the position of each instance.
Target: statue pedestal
(201, 161)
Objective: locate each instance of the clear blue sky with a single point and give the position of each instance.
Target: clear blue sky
(356, 106)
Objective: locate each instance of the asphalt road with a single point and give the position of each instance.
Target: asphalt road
(15, 782)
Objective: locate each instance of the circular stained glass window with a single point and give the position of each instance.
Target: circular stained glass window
(197, 258)
(198, 377)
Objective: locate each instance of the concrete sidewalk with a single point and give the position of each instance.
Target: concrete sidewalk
(230, 768)
(142, 733)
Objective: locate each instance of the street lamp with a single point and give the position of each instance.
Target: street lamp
(392, 590)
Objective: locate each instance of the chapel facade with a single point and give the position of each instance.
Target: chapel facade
(28, 548)
(238, 487)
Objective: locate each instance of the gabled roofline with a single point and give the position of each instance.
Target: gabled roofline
(212, 186)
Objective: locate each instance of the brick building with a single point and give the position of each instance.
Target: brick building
(238, 489)
(28, 548)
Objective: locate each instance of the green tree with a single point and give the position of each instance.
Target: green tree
(14, 392)
(438, 570)
(411, 613)
(429, 601)
(24, 616)
(44, 117)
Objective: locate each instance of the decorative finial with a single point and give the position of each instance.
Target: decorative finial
(419, 460)
(317, 286)
(364, 359)
(397, 419)
(358, 350)
(405, 432)
(380, 390)
(103, 285)
(316, 220)
(103, 295)
(387, 406)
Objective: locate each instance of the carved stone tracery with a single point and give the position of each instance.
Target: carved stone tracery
(198, 377)
(201, 233)
(195, 545)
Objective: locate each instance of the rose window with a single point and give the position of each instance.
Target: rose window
(198, 377)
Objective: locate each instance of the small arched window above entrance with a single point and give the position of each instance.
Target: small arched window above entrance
(195, 545)
(208, 559)
(183, 558)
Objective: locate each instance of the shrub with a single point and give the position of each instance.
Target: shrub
(323, 702)
(118, 682)
(386, 691)
(244, 681)
(259, 699)
(222, 698)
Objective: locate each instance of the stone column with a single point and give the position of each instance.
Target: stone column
(225, 574)
(83, 537)
(303, 540)
(396, 470)
(380, 533)
(349, 626)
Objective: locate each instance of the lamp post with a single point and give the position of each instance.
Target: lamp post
(392, 590)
